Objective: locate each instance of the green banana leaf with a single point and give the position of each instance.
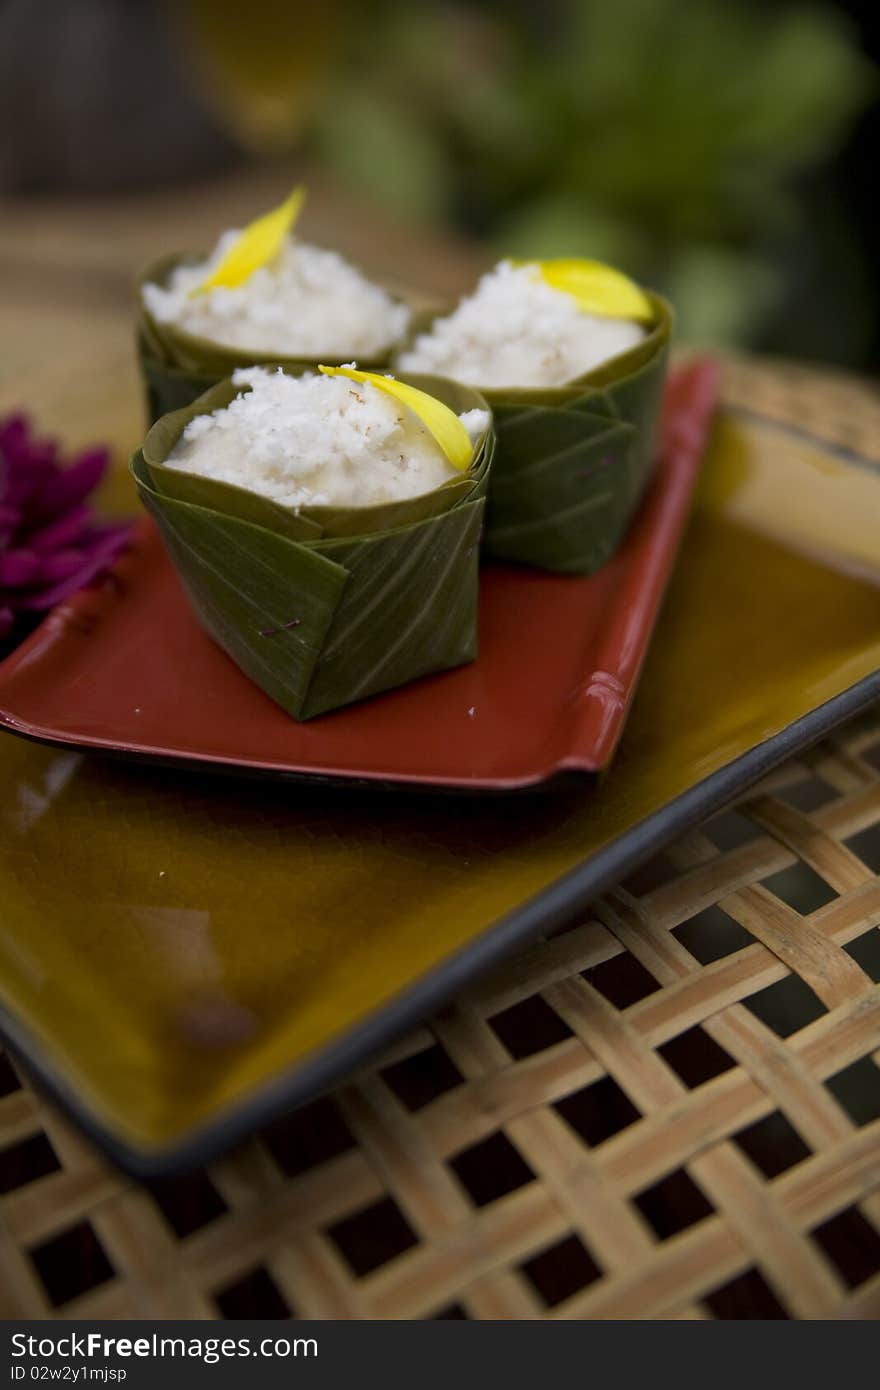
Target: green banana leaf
(331, 604)
(572, 462)
(177, 366)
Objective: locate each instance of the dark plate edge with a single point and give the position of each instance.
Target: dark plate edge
(343, 781)
(553, 907)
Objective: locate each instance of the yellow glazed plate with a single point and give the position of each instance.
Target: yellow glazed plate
(181, 955)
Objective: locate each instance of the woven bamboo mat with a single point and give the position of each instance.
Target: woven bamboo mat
(671, 1110)
(834, 405)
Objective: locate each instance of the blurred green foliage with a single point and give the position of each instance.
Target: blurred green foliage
(683, 141)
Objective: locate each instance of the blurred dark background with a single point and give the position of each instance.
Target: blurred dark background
(721, 150)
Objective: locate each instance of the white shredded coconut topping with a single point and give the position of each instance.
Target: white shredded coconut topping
(308, 303)
(317, 440)
(516, 330)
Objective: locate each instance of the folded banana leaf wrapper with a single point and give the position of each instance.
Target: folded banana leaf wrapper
(177, 366)
(330, 604)
(572, 462)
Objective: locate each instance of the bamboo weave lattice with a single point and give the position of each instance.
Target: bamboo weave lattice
(671, 1110)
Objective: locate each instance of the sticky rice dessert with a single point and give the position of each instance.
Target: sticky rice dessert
(326, 527)
(571, 356)
(517, 329)
(308, 303)
(318, 441)
(260, 296)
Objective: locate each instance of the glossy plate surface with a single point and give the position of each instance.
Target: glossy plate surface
(182, 955)
(126, 668)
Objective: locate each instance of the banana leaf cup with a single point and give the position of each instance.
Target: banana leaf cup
(326, 605)
(572, 462)
(177, 366)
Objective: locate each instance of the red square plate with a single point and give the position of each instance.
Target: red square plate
(125, 667)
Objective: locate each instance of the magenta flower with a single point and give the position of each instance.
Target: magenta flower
(51, 543)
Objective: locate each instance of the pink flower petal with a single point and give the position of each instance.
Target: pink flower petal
(18, 568)
(13, 436)
(18, 447)
(50, 543)
(104, 550)
(61, 564)
(69, 486)
(10, 520)
(63, 531)
(27, 478)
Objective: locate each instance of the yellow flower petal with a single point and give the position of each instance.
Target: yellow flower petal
(437, 418)
(256, 246)
(597, 288)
